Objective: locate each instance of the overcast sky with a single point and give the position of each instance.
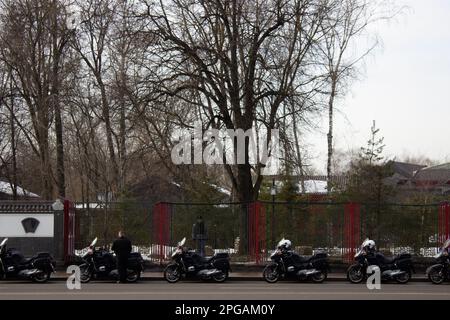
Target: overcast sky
(405, 88)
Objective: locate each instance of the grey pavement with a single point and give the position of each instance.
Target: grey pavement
(235, 290)
(242, 276)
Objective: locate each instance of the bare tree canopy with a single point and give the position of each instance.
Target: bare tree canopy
(94, 93)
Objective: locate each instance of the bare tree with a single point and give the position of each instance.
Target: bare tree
(245, 58)
(34, 38)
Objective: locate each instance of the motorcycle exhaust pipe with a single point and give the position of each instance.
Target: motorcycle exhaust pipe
(307, 272)
(394, 273)
(29, 273)
(209, 273)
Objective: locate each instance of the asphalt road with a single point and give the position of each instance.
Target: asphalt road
(242, 290)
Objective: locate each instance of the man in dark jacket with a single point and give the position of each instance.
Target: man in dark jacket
(122, 248)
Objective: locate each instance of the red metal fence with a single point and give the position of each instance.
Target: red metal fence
(249, 231)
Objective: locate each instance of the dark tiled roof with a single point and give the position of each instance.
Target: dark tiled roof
(438, 174)
(404, 169)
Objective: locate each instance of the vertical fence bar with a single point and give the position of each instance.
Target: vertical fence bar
(256, 230)
(263, 232)
(69, 230)
(443, 223)
(161, 229)
(352, 229)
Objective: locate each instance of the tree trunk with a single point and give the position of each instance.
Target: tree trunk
(298, 152)
(13, 145)
(330, 129)
(60, 170)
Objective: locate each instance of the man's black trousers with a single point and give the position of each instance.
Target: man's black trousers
(122, 262)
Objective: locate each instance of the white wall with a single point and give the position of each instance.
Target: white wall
(11, 225)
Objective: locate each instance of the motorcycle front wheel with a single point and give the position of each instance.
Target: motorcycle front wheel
(355, 274)
(271, 274)
(172, 273)
(86, 274)
(436, 274)
(41, 277)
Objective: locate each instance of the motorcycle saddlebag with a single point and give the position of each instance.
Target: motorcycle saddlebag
(135, 260)
(320, 255)
(222, 255)
(222, 264)
(404, 260)
(42, 263)
(404, 256)
(43, 255)
(320, 261)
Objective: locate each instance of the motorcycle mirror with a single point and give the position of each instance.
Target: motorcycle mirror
(93, 242)
(182, 242)
(3, 242)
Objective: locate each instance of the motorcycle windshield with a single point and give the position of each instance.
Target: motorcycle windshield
(94, 242)
(280, 243)
(182, 242)
(365, 243)
(3, 242)
(446, 244)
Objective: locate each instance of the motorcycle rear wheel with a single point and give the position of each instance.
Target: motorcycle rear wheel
(355, 274)
(404, 278)
(222, 277)
(271, 274)
(41, 277)
(172, 273)
(133, 276)
(435, 274)
(319, 277)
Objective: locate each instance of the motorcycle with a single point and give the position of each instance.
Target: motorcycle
(289, 264)
(440, 271)
(189, 264)
(398, 268)
(99, 263)
(14, 265)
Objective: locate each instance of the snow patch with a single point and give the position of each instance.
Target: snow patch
(5, 187)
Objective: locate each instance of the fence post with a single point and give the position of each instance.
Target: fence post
(256, 230)
(161, 229)
(69, 230)
(443, 223)
(351, 230)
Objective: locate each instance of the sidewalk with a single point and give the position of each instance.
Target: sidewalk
(243, 276)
